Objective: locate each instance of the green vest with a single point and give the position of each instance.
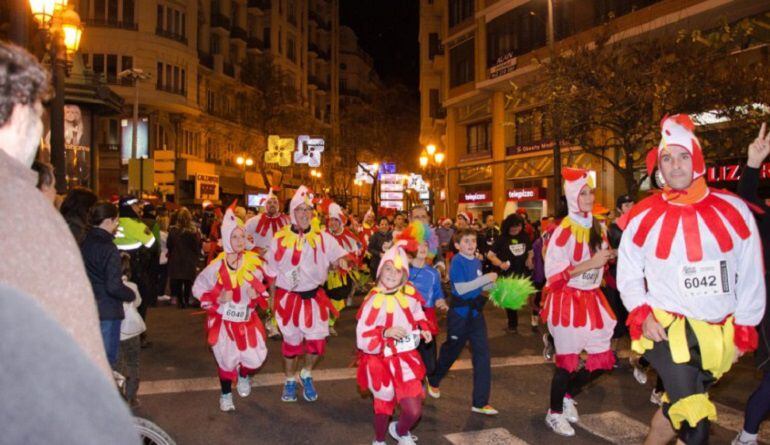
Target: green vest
(133, 234)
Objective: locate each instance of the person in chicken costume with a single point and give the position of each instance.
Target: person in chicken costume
(575, 310)
(391, 324)
(690, 274)
(298, 262)
(340, 285)
(263, 227)
(229, 289)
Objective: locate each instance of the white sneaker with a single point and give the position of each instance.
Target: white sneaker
(332, 331)
(569, 411)
(244, 386)
(377, 442)
(739, 440)
(226, 402)
(559, 424)
(640, 375)
(164, 298)
(656, 398)
(409, 439)
(349, 302)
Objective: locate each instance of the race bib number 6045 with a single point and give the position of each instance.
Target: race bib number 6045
(704, 279)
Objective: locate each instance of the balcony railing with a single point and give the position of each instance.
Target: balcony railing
(316, 17)
(171, 35)
(219, 20)
(111, 23)
(239, 33)
(206, 60)
(171, 89)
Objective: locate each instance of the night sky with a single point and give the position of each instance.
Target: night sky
(387, 30)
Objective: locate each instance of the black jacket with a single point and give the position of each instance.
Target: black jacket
(184, 249)
(102, 260)
(747, 189)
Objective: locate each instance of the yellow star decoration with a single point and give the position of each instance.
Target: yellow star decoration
(581, 234)
(390, 300)
(291, 240)
(244, 274)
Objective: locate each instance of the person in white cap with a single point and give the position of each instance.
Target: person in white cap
(690, 274)
(229, 289)
(340, 285)
(391, 324)
(298, 260)
(577, 313)
(263, 227)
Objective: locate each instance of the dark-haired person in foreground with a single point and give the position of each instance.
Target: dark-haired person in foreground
(63, 290)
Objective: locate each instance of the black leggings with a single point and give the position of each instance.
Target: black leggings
(182, 290)
(758, 406)
(565, 382)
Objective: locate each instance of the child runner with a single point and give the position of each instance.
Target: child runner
(340, 285)
(465, 322)
(229, 289)
(390, 325)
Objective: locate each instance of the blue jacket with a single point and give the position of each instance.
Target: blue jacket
(427, 281)
(103, 266)
(463, 270)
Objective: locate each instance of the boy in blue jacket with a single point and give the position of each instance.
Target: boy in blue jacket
(465, 322)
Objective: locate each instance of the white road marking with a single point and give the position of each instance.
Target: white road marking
(732, 419)
(614, 427)
(493, 436)
(319, 375)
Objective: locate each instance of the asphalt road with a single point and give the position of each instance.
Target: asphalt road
(180, 393)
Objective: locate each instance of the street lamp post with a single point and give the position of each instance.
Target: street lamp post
(244, 162)
(430, 161)
(63, 31)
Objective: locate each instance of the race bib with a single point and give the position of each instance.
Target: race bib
(518, 249)
(235, 312)
(408, 343)
(587, 279)
(705, 278)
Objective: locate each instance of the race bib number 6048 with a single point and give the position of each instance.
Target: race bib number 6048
(704, 279)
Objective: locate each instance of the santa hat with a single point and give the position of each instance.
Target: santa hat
(301, 196)
(678, 130)
(335, 212)
(229, 223)
(467, 215)
(397, 256)
(574, 181)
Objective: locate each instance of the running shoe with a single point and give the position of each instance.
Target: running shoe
(547, 348)
(656, 398)
(408, 439)
(487, 410)
(640, 375)
(244, 386)
(332, 331)
(289, 391)
(740, 441)
(308, 390)
(226, 402)
(569, 410)
(434, 391)
(559, 424)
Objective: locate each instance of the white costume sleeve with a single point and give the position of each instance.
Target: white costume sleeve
(270, 267)
(334, 250)
(206, 280)
(750, 288)
(630, 272)
(556, 258)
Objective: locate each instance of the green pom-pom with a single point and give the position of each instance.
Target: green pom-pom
(511, 292)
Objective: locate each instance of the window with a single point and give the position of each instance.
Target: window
(461, 58)
(128, 11)
(459, 11)
(98, 63)
(235, 12)
(184, 26)
(159, 76)
(436, 110)
(168, 76)
(215, 44)
(434, 46)
(280, 42)
(290, 48)
(159, 137)
(159, 22)
(531, 127)
(177, 23)
(100, 8)
(605, 9)
(112, 11)
(291, 12)
(126, 63)
(479, 137)
(516, 32)
(233, 53)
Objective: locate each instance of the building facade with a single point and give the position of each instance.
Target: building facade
(194, 121)
(500, 155)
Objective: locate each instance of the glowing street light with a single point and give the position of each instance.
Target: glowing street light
(439, 157)
(430, 149)
(423, 160)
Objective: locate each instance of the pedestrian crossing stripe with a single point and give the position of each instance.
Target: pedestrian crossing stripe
(492, 436)
(614, 427)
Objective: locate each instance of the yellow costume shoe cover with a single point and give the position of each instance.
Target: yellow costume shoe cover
(692, 409)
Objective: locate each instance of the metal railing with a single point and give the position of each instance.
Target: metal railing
(219, 20)
(111, 23)
(171, 35)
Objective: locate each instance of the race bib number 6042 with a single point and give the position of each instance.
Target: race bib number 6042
(704, 279)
